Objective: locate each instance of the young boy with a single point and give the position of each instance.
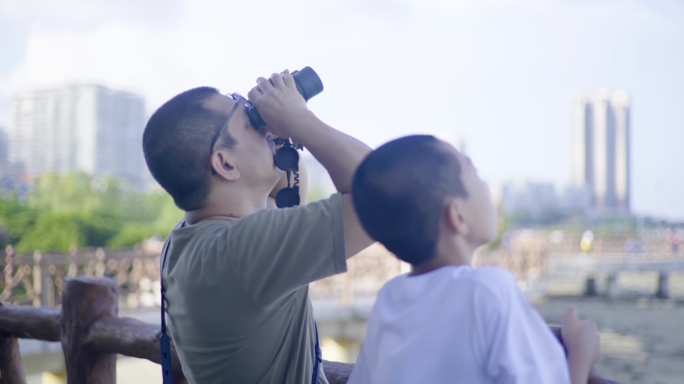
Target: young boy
(447, 322)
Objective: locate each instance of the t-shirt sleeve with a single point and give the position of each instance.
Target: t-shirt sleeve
(276, 251)
(518, 345)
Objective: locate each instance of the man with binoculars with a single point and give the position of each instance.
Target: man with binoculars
(235, 274)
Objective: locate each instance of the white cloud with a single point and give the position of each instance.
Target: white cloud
(79, 14)
(502, 73)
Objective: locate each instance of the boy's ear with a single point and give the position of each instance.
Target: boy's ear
(455, 220)
(222, 163)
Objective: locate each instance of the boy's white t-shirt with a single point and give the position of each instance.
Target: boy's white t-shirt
(458, 324)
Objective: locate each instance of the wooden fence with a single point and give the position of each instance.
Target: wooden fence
(37, 278)
(92, 334)
(89, 329)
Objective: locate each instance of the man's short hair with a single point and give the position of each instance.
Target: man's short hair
(399, 192)
(177, 141)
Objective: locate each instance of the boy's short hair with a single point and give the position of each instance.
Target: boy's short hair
(399, 192)
(177, 141)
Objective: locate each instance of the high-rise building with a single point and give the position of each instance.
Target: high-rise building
(79, 128)
(4, 150)
(601, 156)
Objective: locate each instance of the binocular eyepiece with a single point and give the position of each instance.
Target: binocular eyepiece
(308, 85)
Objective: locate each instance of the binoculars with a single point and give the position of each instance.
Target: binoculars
(308, 85)
(286, 157)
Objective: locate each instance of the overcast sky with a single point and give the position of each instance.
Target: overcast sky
(500, 74)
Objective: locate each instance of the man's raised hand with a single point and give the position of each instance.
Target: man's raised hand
(281, 107)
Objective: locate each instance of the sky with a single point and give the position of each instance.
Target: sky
(499, 74)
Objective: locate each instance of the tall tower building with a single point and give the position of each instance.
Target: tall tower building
(4, 150)
(79, 128)
(600, 148)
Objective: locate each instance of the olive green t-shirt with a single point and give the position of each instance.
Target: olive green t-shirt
(238, 306)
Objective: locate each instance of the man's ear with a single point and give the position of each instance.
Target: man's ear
(454, 218)
(222, 163)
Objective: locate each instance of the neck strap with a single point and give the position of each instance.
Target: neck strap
(164, 341)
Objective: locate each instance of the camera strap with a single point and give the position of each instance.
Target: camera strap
(165, 342)
(319, 358)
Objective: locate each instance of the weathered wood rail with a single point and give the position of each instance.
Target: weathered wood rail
(92, 334)
(89, 329)
(88, 287)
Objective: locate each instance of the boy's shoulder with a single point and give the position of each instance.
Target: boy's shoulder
(497, 281)
(494, 291)
(491, 276)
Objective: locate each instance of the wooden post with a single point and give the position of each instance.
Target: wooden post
(85, 301)
(663, 289)
(11, 371)
(49, 285)
(37, 279)
(611, 286)
(590, 286)
(7, 293)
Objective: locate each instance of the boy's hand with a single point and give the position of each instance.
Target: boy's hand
(580, 336)
(281, 107)
(582, 342)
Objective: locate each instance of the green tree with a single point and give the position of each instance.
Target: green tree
(61, 210)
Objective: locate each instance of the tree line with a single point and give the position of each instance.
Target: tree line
(61, 210)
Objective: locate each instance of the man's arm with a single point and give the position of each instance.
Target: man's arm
(286, 114)
(338, 152)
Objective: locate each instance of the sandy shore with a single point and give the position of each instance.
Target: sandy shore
(642, 338)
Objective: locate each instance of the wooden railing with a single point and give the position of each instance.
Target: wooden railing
(90, 285)
(89, 329)
(37, 278)
(92, 334)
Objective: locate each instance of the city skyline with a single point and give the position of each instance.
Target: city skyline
(79, 127)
